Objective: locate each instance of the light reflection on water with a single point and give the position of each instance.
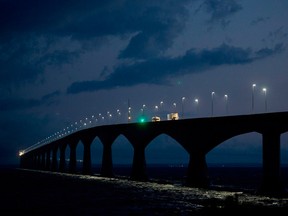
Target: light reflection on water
(184, 195)
(228, 176)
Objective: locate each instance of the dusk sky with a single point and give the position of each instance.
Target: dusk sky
(65, 61)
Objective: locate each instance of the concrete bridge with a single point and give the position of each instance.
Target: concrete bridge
(198, 136)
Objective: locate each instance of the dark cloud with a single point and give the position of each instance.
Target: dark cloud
(51, 95)
(259, 20)
(25, 61)
(32, 32)
(265, 52)
(159, 70)
(160, 24)
(21, 130)
(221, 10)
(11, 104)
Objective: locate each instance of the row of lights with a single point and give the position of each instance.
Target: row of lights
(264, 90)
(77, 126)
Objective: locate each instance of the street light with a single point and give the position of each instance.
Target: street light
(108, 117)
(183, 98)
(129, 111)
(174, 104)
(253, 89)
(265, 95)
(129, 114)
(212, 103)
(119, 114)
(156, 110)
(143, 109)
(196, 102)
(226, 101)
(161, 107)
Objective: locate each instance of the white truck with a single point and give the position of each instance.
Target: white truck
(172, 116)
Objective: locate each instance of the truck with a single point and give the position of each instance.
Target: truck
(172, 116)
(155, 119)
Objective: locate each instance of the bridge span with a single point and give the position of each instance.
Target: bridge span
(197, 136)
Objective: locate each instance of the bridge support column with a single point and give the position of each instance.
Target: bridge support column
(139, 164)
(29, 161)
(72, 161)
(38, 161)
(54, 159)
(107, 165)
(43, 164)
(23, 162)
(35, 161)
(48, 160)
(62, 163)
(87, 158)
(197, 174)
(271, 183)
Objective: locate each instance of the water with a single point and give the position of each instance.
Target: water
(229, 176)
(35, 192)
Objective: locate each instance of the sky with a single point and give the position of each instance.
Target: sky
(66, 63)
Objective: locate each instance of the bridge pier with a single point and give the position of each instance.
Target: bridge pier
(271, 180)
(197, 173)
(54, 159)
(62, 162)
(107, 165)
(35, 161)
(48, 160)
(72, 161)
(43, 164)
(139, 164)
(38, 161)
(87, 158)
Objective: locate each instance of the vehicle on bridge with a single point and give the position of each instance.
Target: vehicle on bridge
(155, 118)
(172, 116)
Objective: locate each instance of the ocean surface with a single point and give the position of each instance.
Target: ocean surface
(232, 192)
(227, 176)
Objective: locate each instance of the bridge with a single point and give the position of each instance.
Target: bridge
(197, 136)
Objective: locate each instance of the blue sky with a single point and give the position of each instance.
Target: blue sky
(62, 62)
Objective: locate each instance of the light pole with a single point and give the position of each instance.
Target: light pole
(143, 109)
(265, 95)
(129, 114)
(183, 98)
(129, 111)
(161, 108)
(196, 102)
(156, 110)
(108, 117)
(174, 105)
(226, 102)
(212, 103)
(119, 115)
(253, 89)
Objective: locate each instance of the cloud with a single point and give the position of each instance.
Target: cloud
(51, 95)
(220, 11)
(159, 25)
(159, 70)
(35, 35)
(265, 52)
(22, 63)
(12, 104)
(259, 20)
(21, 130)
